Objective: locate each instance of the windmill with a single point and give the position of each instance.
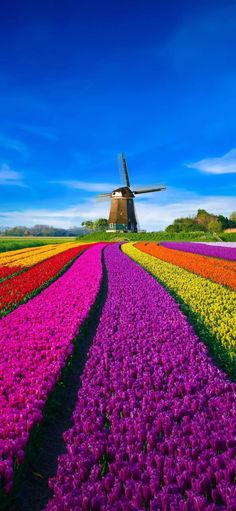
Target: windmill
(122, 215)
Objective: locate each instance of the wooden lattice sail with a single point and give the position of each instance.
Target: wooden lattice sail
(122, 215)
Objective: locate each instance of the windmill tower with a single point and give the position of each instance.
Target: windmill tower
(122, 215)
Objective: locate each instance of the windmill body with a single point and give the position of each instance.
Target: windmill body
(122, 215)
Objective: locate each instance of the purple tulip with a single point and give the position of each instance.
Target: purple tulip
(222, 252)
(155, 416)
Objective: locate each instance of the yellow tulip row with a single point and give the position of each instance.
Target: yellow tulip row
(29, 257)
(11, 253)
(214, 304)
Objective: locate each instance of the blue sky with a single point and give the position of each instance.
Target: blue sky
(81, 82)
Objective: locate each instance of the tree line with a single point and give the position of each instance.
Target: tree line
(203, 221)
(41, 230)
(49, 231)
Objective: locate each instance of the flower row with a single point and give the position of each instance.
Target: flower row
(213, 305)
(36, 341)
(13, 263)
(14, 256)
(8, 271)
(154, 424)
(203, 249)
(15, 290)
(10, 253)
(220, 271)
(38, 254)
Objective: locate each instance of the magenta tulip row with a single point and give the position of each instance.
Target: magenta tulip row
(154, 425)
(202, 249)
(36, 341)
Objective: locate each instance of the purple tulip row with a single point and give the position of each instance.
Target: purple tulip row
(202, 249)
(36, 340)
(154, 425)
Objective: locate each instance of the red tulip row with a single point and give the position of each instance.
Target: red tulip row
(7, 271)
(17, 289)
(17, 261)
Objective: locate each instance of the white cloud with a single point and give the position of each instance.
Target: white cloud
(66, 218)
(222, 165)
(87, 186)
(156, 214)
(10, 177)
(153, 214)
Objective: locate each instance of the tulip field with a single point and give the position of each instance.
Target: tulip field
(154, 422)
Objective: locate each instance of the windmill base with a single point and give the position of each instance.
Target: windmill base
(121, 228)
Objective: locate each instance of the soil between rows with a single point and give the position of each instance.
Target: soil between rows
(31, 492)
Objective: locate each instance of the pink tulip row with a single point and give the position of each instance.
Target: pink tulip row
(36, 341)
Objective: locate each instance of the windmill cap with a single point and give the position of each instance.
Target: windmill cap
(124, 191)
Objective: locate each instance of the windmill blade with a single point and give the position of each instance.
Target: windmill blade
(123, 170)
(149, 189)
(103, 197)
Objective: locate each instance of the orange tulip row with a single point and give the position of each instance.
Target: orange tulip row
(218, 270)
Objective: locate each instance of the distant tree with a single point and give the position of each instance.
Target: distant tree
(202, 221)
(211, 222)
(215, 226)
(88, 224)
(233, 216)
(76, 231)
(224, 222)
(203, 218)
(101, 224)
(42, 231)
(170, 228)
(47, 230)
(16, 231)
(185, 224)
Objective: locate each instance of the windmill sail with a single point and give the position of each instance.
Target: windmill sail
(149, 190)
(124, 170)
(102, 197)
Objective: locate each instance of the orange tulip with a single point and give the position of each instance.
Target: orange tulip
(218, 270)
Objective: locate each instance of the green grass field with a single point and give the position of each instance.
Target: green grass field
(228, 236)
(7, 243)
(14, 243)
(147, 236)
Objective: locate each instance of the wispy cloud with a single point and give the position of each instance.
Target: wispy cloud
(66, 217)
(155, 214)
(87, 186)
(11, 177)
(225, 164)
